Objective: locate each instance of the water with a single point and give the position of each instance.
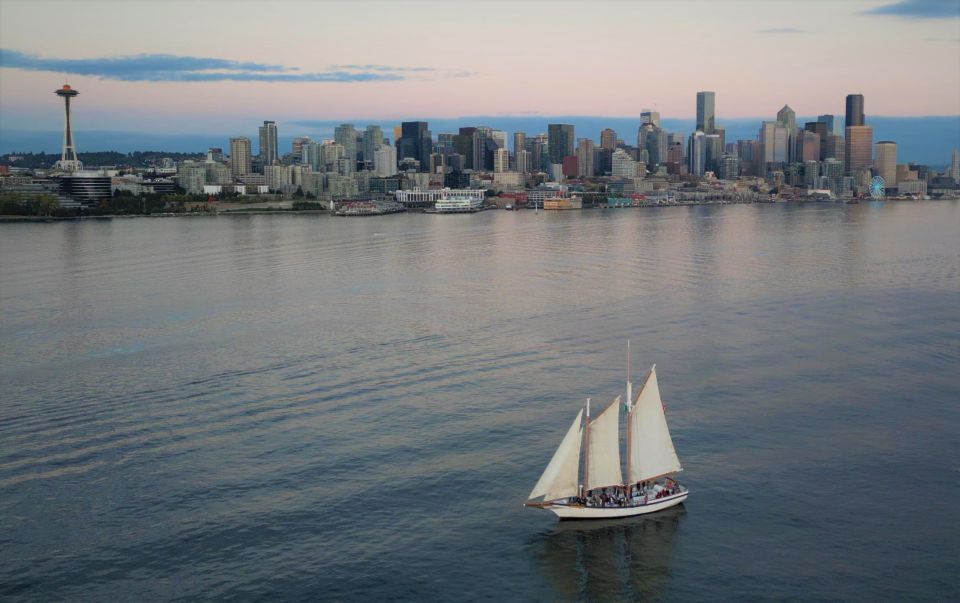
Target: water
(294, 407)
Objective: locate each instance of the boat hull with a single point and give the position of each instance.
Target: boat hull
(581, 512)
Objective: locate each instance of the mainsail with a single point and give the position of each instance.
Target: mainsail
(603, 454)
(559, 479)
(651, 448)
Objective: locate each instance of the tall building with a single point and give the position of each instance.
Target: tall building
(858, 154)
(372, 138)
(955, 165)
(706, 107)
(623, 165)
(697, 153)
(501, 161)
(773, 145)
(522, 160)
(519, 142)
(68, 155)
(835, 147)
(886, 162)
(809, 146)
(855, 116)
(268, 143)
(345, 135)
(384, 160)
(830, 121)
(713, 151)
(296, 149)
(240, 156)
(585, 149)
(822, 130)
(608, 139)
(788, 119)
(560, 140)
(415, 142)
(650, 117)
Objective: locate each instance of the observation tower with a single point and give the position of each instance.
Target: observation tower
(68, 156)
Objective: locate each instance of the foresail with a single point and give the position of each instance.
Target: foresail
(559, 479)
(604, 453)
(651, 451)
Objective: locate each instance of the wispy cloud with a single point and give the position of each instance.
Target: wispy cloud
(918, 9)
(174, 68)
(779, 30)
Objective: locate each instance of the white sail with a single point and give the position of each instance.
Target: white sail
(604, 453)
(651, 448)
(559, 479)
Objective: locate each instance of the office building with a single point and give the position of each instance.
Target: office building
(608, 139)
(787, 118)
(623, 165)
(415, 142)
(296, 149)
(650, 117)
(830, 122)
(501, 161)
(384, 160)
(268, 143)
(519, 142)
(560, 139)
(713, 151)
(706, 106)
(773, 145)
(858, 153)
(241, 161)
(809, 146)
(855, 115)
(345, 135)
(885, 163)
(372, 138)
(585, 151)
(697, 153)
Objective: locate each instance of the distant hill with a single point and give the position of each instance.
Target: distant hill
(920, 139)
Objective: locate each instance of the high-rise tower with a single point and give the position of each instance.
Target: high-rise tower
(268, 143)
(706, 107)
(68, 156)
(854, 110)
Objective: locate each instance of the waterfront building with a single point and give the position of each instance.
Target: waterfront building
(608, 139)
(240, 156)
(854, 115)
(886, 162)
(585, 151)
(858, 153)
(706, 106)
(345, 135)
(418, 197)
(560, 139)
(268, 143)
(86, 187)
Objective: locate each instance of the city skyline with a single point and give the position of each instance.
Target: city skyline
(136, 79)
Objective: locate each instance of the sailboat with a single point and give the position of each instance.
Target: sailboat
(603, 493)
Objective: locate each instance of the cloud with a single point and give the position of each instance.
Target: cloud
(779, 30)
(174, 68)
(918, 9)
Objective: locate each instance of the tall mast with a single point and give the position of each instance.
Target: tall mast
(586, 450)
(629, 412)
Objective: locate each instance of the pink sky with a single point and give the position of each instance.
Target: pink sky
(487, 58)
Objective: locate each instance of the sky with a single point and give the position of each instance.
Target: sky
(224, 66)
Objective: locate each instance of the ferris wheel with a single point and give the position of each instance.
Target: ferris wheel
(878, 187)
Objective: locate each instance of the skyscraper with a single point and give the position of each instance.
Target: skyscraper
(831, 123)
(955, 165)
(384, 160)
(788, 119)
(345, 135)
(773, 145)
(240, 156)
(858, 153)
(706, 106)
(608, 139)
(855, 115)
(650, 117)
(268, 143)
(416, 142)
(886, 162)
(585, 158)
(697, 153)
(501, 161)
(822, 130)
(297, 148)
(68, 156)
(561, 140)
(519, 142)
(372, 138)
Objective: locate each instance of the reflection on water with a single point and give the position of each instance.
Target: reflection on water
(624, 559)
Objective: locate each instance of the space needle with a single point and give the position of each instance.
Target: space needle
(68, 156)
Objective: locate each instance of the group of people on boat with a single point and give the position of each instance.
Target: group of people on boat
(635, 494)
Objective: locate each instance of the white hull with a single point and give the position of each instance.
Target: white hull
(580, 512)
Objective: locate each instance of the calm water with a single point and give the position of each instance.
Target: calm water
(295, 407)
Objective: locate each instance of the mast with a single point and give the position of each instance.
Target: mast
(629, 422)
(586, 448)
